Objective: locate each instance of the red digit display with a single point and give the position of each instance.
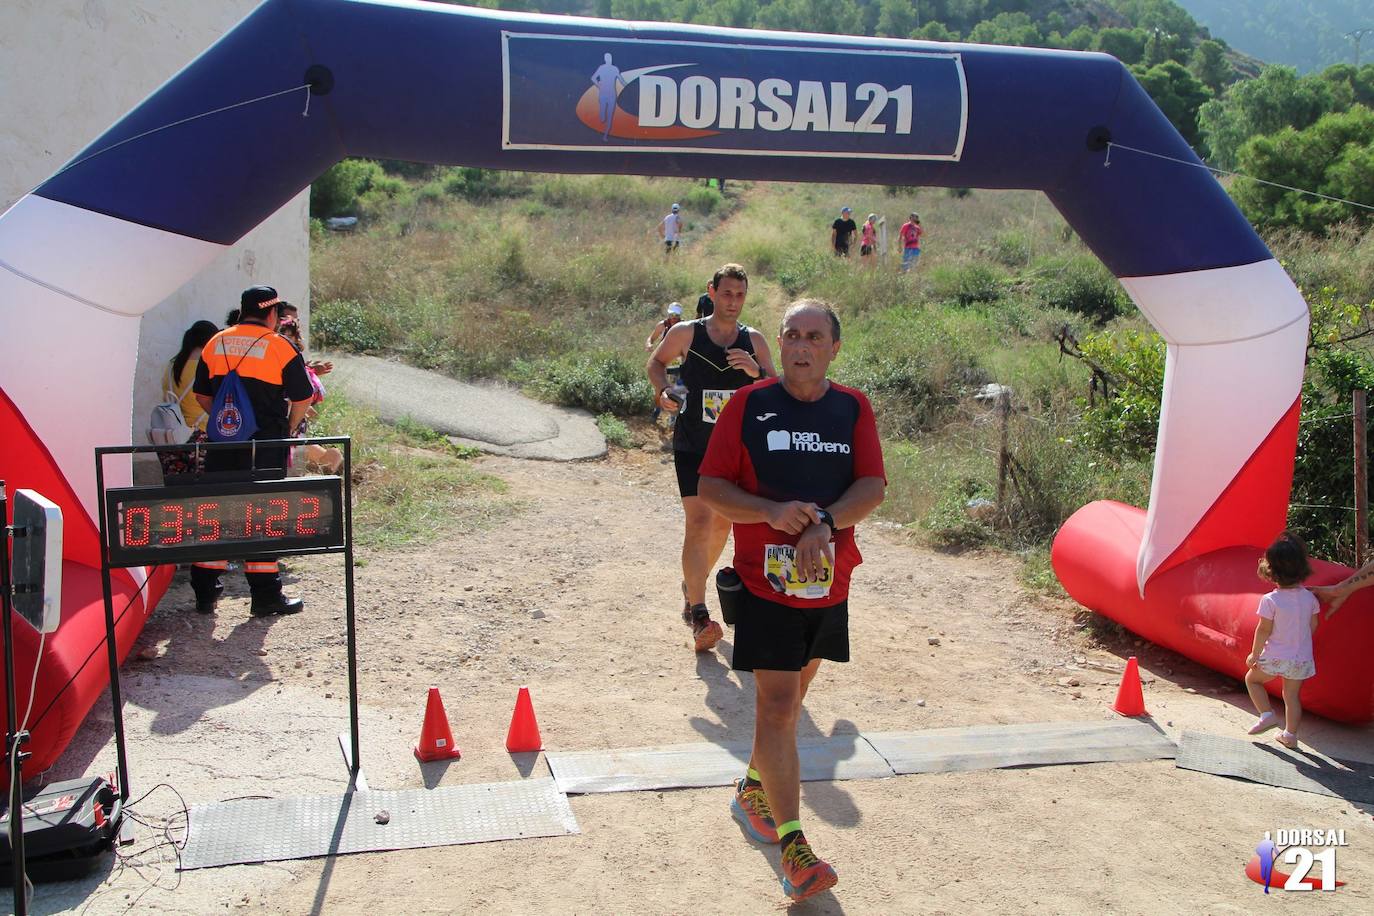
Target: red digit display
(138, 526)
(228, 520)
(284, 509)
(310, 510)
(174, 530)
(207, 521)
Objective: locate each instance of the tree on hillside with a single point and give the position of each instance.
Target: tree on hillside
(1126, 45)
(1178, 94)
(1162, 46)
(734, 14)
(1349, 86)
(1080, 39)
(829, 16)
(1276, 99)
(1007, 29)
(1210, 66)
(654, 10)
(935, 31)
(1334, 156)
(1164, 15)
(896, 19)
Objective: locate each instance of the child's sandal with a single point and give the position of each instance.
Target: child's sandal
(1265, 722)
(1288, 740)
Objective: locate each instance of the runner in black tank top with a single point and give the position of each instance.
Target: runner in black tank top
(719, 355)
(710, 381)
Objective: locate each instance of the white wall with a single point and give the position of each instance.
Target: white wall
(69, 69)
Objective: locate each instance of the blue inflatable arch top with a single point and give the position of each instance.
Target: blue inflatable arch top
(143, 208)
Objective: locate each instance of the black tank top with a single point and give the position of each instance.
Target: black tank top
(710, 381)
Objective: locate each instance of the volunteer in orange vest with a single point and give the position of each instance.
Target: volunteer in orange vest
(279, 390)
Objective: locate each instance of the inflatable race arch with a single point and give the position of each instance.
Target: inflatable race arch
(300, 84)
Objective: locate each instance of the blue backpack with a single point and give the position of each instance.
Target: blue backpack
(231, 411)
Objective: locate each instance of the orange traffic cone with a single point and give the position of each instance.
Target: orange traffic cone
(436, 739)
(1130, 699)
(524, 730)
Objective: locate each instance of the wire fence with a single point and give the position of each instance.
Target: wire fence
(1036, 489)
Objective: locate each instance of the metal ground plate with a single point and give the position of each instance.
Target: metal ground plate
(271, 830)
(1274, 765)
(989, 747)
(684, 766)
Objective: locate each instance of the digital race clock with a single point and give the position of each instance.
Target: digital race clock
(223, 521)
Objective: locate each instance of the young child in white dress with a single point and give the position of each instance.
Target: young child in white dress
(1283, 638)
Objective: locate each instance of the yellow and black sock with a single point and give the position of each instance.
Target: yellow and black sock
(789, 832)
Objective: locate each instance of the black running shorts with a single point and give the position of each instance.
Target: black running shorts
(686, 464)
(776, 637)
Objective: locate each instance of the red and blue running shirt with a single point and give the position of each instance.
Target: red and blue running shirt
(772, 445)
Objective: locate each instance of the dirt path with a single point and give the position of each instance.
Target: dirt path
(576, 596)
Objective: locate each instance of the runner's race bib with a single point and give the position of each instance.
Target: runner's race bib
(780, 569)
(713, 401)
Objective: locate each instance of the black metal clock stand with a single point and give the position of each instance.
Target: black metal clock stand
(14, 740)
(206, 486)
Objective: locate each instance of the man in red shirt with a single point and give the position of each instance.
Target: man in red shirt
(794, 463)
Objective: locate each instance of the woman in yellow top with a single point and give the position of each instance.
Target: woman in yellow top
(176, 386)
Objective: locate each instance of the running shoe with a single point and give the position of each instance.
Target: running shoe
(750, 808)
(803, 875)
(705, 631)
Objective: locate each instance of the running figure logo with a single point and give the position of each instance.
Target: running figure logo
(1265, 852)
(599, 107)
(1296, 847)
(609, 83)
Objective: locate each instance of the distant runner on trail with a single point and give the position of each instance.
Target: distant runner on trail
(705, 305)
(608, 83)
(655, 337)
(670, 229)
(795, 464)
(719, 355)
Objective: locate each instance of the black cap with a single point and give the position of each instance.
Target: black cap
(258, 298)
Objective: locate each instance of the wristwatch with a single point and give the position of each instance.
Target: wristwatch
(827, 519)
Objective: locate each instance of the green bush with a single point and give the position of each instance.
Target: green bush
(348, 325)
(800, 272)
(1123, 419)
(1323, 476)
(510, 268)
(1082, 285)
(381, 192)
(600, 383)
(615, 430)
(702, 200)
(474, 184)
(914, 363)
(968, 283)
(336, 192)
(430, 192)
(949, 522)
(1334, 156)
(1012, 248)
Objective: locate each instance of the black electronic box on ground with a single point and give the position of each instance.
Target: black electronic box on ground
(68, 828)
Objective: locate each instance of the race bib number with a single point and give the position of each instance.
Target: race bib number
(713, 401)
(780, 569)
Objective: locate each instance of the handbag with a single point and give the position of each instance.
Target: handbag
(167, 424)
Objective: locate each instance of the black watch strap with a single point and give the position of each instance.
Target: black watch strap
(827, 519)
